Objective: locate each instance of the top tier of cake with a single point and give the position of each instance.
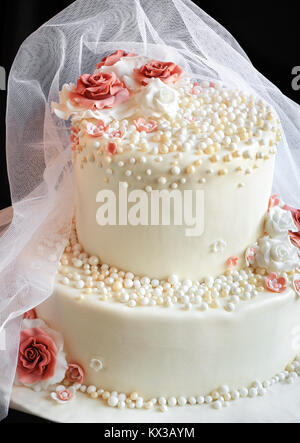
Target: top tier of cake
(141, 125)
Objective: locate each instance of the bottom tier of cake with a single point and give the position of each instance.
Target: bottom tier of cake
(172, 352)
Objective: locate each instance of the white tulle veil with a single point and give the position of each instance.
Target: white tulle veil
(38, 147)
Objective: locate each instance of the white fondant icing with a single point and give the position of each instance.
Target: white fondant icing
(172, 353)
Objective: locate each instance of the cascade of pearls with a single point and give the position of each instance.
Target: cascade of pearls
(89, 277)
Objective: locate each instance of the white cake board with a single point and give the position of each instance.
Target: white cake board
(280, 405)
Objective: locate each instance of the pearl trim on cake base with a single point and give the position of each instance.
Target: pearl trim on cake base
(217, 399)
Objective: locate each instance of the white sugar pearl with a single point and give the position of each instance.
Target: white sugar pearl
(200, 400)
(217, 405)
(182, 401)
(79, 284)
(209, 281)
(208, 399)
(141, 292)
(155, 283)
(173, 279)
(162, 180)
(145, 281)
(65, 281)
(137, 284)
(204, 306)
(256, 385)
(91, 389)
(244, 392)
(230, 307)
(172, 401)
(139, 403)
(93, 260)
(134, 396)
(128, 284)
(224, 390)
(162, 401)
(192, 400)
(262, 392)
(266, 384)
(121, 405)
(145, 301)
(113, 401)
(148, 405)
(176, 170)
(235, 395)
(253, 392)
(163, 408)
(157, 292)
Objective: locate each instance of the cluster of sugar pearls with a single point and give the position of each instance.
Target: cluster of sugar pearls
(213, 119)
(85, 273)
(217, 399)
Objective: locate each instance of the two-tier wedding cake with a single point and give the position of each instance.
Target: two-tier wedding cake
(179, 284)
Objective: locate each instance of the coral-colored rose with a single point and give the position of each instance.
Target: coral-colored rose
(99, 91)
(112, 59)
(141, 125)
(75, 373)
(37, 356)
(30, 315)
(166, 72)
(275, 284)
(295, 236)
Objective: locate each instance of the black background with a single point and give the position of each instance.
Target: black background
(268, 32)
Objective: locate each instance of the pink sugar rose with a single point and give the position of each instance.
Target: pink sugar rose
(37, 356)
(41, 360)
(295, 236)
(112, 59)
(100, 91)
(166, 72)
(75, 373)
(141, 125)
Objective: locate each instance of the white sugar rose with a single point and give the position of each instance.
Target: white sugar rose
(279, 222)
(277, 254)
(157, 99)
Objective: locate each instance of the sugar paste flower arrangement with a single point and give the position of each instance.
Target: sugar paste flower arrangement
(42, 363)
(123, 85)
(278, 252)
